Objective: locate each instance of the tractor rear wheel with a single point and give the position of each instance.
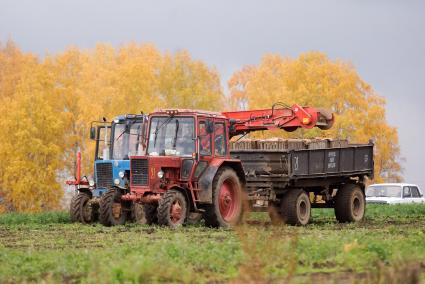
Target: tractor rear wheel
(172, 209)
(83, 209)
(295, 207)
(227, 207)
(350, 203)
(113, 210)
(151, 213)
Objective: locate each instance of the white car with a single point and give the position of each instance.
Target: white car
(394, 193)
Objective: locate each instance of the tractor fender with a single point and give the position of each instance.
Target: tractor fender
(86, 190)
(207, 177)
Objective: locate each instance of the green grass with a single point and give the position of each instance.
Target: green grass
(390, 243)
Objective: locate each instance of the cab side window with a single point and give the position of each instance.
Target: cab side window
(100, 151)
(406, 192)
(415, 191)
(220, 139)
(205, 139)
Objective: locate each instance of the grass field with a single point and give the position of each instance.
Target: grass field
(388, 247)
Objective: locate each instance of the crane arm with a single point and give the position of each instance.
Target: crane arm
(279, 116)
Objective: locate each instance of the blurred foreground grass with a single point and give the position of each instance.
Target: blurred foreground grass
(388, 246)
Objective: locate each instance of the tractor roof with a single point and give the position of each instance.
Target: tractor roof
(189, 112)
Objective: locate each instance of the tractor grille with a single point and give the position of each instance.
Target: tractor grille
(104, 175)
(139, 172)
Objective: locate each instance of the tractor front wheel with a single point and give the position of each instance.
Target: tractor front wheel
(113, 210)
(83, 209)
(138, 213)
(151, 213)
(227, 207)
(172, 209)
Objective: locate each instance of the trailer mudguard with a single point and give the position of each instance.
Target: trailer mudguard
(206, 179)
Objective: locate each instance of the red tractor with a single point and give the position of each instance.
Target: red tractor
(189, 168)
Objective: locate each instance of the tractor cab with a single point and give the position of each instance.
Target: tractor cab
(181, 145)
(115, 143)
(186, 150)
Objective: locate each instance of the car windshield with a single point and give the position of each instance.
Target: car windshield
(383, 191)
(127, 142)
(171, 136)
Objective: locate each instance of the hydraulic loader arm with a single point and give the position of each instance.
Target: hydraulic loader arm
(279, 116)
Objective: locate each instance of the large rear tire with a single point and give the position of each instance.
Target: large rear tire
(172, 209)
(350, 204)
(113, 211)
(295, 207)
(83, 209)
(227, 197)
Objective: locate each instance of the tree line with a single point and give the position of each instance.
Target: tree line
(47, 105)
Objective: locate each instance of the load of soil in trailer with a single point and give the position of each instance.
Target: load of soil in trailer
(270, 156)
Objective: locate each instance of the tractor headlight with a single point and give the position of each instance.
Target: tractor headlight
(91, 182)
(161, 174)
(116, 181)
(121, 174)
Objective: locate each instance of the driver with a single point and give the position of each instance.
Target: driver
(185, 144)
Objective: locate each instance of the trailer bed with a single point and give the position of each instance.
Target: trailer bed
(317, 166)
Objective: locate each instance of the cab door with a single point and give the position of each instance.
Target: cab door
(204, 147)
(211, 147)
(220, 138)
(103, 142)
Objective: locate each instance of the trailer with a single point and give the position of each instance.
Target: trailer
(330, 173)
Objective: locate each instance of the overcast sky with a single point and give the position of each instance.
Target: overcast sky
(385, 40)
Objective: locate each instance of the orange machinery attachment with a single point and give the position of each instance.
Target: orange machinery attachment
(280, 116)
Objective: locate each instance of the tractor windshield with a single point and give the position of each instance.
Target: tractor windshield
(171, 136)
(127, 140)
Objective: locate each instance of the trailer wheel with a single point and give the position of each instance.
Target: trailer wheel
(350, 204)
(113, 211)
(151, 213)
(227, 208)
(172, 209)
(82, 208)
(295, 207)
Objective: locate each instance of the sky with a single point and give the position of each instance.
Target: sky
(384, 40)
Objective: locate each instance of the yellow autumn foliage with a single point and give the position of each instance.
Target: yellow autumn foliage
(313, 79)
(48, 104)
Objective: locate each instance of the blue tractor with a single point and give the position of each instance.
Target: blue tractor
(116, 141)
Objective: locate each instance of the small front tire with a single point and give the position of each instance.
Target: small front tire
(151, 213)
(172, 209)
(83, 209)
(138, 213)
(113, 210)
